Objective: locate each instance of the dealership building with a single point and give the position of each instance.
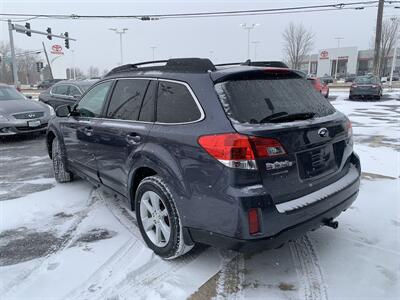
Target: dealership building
(343, 61)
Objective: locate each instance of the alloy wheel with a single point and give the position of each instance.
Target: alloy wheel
(155, 219)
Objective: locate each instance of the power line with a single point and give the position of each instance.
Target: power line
(147, 17)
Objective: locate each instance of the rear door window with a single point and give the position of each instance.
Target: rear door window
(255, 99)
(175, 104)
(127, 99)
(60, 90)
(148, 105)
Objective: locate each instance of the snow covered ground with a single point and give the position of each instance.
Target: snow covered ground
(72, 241)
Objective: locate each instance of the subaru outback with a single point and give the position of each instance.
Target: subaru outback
(240, 157)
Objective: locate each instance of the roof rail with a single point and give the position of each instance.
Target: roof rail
(191, 65)
(274, 64)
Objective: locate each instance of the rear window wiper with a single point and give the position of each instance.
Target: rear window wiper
(286, 117)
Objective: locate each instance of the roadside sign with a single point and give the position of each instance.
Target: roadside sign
(56, 49)
(324, 54)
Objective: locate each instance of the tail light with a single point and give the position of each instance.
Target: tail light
(349, 128)
(239, 151)
(254, 224)
(354, 85)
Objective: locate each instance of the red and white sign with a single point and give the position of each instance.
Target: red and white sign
(56, 49)
(324, 54)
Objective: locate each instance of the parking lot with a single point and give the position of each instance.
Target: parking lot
(74, 241)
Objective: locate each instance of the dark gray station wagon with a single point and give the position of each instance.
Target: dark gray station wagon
(240, 157)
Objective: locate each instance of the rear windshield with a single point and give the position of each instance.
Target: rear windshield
(365, 80)
(256, 100)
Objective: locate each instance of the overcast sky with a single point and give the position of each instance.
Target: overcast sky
(99, 47)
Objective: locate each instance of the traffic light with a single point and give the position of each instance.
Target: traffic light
(28, 27)
(66, 40)
(49, 33)
(39, 66)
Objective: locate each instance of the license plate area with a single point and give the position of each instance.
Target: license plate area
(316, 162)
(34, 123)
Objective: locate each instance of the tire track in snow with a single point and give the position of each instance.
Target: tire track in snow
(135, 269)
(21, 281)
(308, 269)
(230, 283)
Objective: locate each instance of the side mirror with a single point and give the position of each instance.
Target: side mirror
(63, 111)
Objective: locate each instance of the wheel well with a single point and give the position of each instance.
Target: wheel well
(140, 174)
(49, 141)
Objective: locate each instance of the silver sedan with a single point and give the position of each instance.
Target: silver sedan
(20, 115)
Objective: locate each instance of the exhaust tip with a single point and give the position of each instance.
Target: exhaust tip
(331, 223)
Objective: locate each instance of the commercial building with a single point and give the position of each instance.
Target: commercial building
(339, 62)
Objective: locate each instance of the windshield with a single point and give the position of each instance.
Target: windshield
(364, 80)
(10, 93)
(260, 100)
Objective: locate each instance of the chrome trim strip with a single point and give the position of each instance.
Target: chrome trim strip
(321, 194)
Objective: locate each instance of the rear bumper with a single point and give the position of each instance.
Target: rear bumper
(271, 242)
(281, 227)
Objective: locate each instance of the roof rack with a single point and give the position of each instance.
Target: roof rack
(273, 64)
(190, 65)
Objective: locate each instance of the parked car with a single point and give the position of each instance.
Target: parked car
(45, 84)
(366, 87)
(65, 92)
(242, 158)
(327, 79)
(350, 77)
(319, 86)
(19, 115)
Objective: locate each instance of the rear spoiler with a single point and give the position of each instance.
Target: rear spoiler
(255, 73)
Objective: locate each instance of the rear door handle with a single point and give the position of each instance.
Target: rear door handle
(88, 131)
(133, 138)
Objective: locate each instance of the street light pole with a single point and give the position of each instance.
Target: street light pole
(120, 32)
(337, 59)
(248, 28)
(153, 48)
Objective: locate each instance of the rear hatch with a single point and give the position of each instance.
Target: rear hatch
(280, 105)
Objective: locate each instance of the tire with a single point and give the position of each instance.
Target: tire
(351, 97)
(61, 174)
(158, 215)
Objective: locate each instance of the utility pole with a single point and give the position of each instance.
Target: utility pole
(48, 62)
(337, 59)
(378, 37)
(120, 32)
(13, 59)
(248, 28)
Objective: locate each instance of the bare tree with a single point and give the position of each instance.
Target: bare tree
(93, 72)
(26, 63)
(298, 42)
(390, 32)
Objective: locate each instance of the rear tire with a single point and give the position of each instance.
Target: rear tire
(61, 174)
(351, 97)
(158, 218)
